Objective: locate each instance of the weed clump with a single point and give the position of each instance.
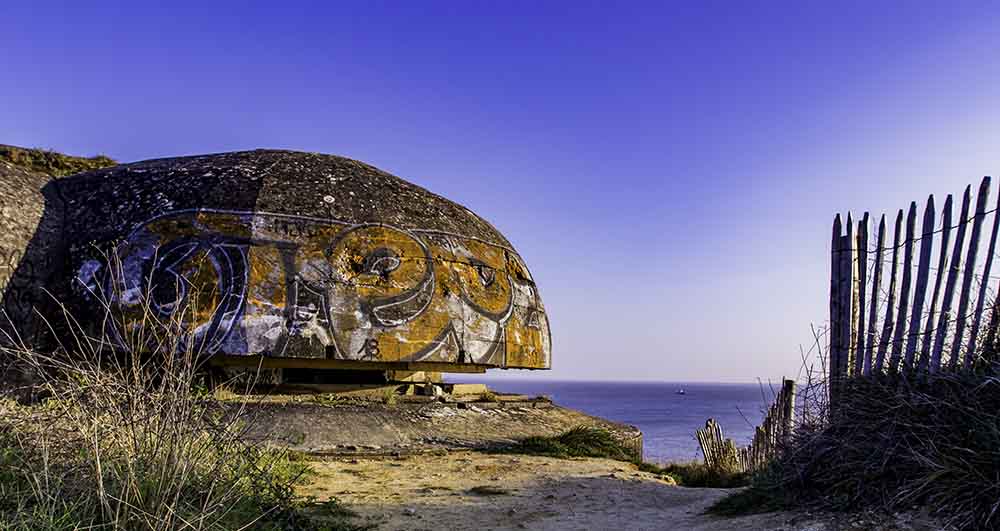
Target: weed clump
(51, 162)
(488, 396)
(389, 396)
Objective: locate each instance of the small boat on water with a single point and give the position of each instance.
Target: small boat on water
(680, 392)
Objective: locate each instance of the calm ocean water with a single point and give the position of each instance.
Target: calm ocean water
(667, 420)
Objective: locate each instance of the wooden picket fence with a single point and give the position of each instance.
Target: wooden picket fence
(890, 317)
(723, 454)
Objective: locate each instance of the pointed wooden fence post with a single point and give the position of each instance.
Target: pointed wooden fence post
(873, 314)
(991, 332)
(942, 272)
(904, 290)
(970, 271)
(920, 293)
(977, 319)
(836, 314)
(949, 288)
(888, 323)
(769, 438)
(916, 329)
(858, 304)
(849, 294)
(788, 408)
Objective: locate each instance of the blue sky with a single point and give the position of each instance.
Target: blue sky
(668, 170)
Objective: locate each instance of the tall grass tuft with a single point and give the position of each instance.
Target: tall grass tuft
(890, 443)
(123, 441)
(901, 442)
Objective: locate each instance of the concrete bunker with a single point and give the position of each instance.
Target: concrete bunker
(297, 261)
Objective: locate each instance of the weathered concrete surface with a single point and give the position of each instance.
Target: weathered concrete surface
(30, 250)
(315, 426)
(297, 255)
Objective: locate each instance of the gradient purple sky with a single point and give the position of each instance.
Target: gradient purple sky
(669, 171)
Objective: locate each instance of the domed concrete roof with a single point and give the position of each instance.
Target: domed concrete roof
(302, 256)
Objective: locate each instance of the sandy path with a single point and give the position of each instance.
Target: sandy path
(469, 490)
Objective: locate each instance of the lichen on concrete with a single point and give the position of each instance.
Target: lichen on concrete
(296, 255)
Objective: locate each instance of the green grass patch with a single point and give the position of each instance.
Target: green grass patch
(697, 474)
(761, 495)
(51, 162)
(751, 500)
(582, 441)
(585, 441)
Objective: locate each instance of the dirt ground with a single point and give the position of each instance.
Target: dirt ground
(414, 465)
(472, 490)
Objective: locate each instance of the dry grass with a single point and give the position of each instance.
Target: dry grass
(891, 443)
(894, 443)
(51, 162)
(123, 439)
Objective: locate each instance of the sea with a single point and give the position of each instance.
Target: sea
(668, 419)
